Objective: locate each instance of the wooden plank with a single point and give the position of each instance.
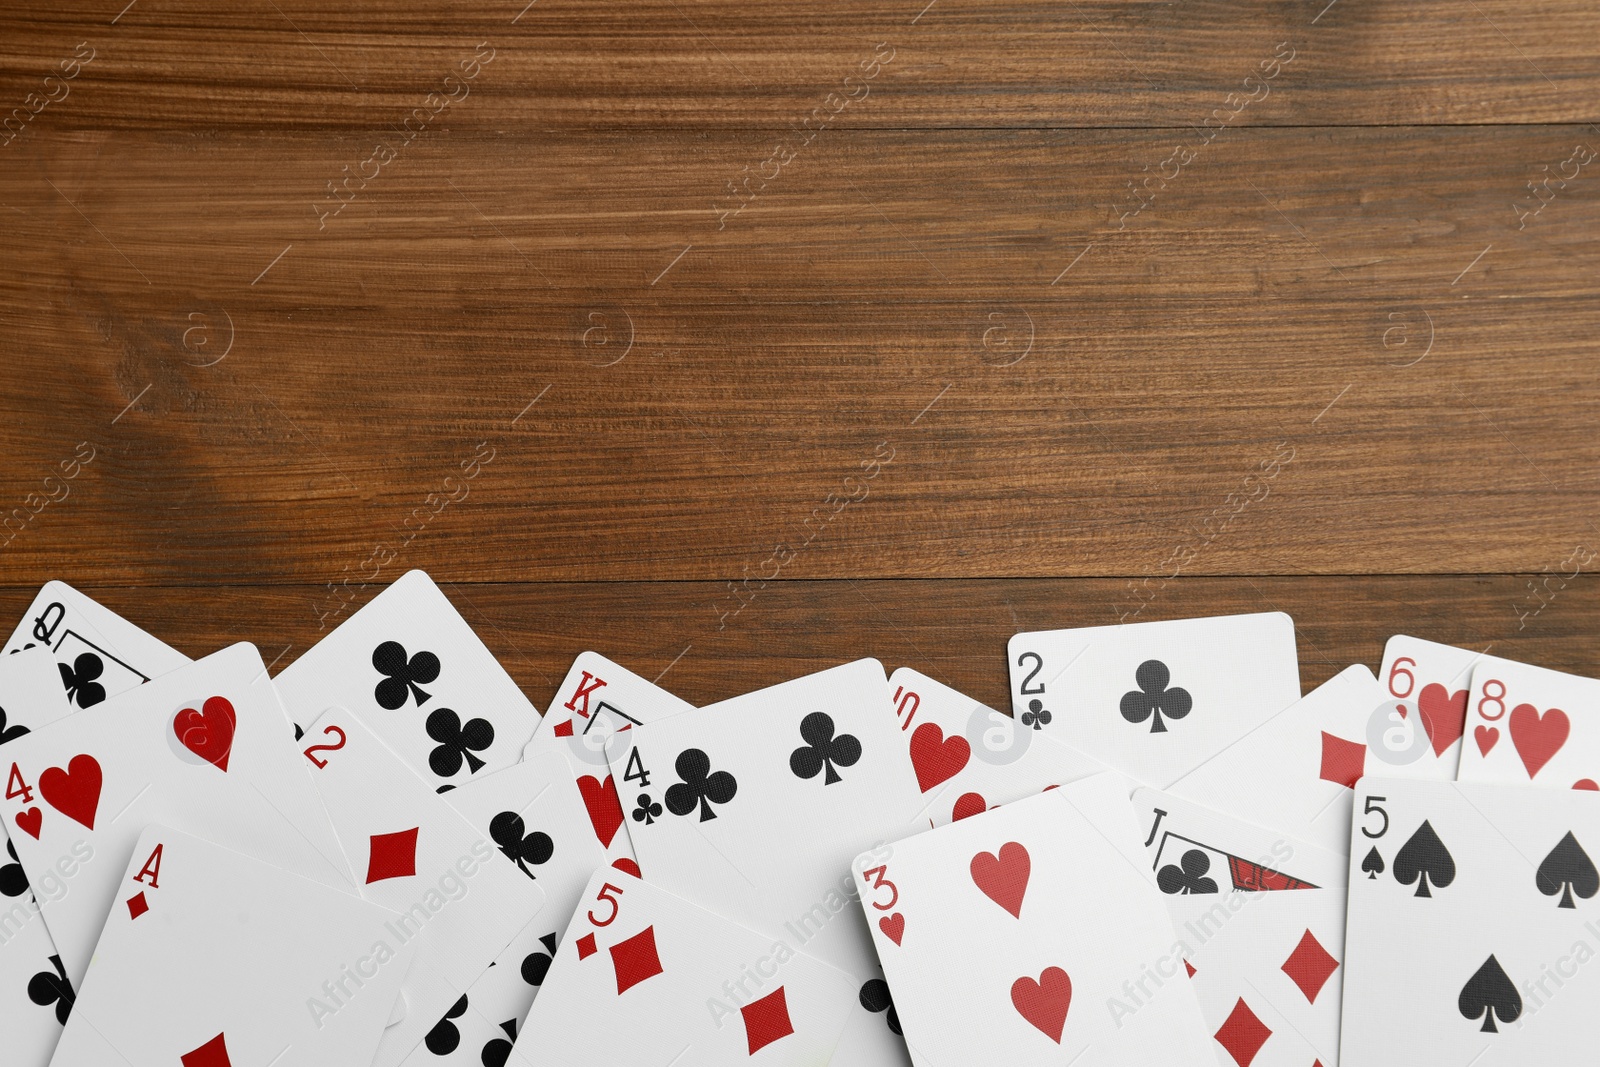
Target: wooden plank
(1427, 363)
(716, 63)
(953, 630)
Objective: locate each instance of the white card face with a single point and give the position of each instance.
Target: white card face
(1265, 969)
(1474, 915)
(598, 700)
(969, 758)
(35, 996)
(1436, 679)
(1531, 726)
(671, 983)
(755, 807)
(1297, 771)
(998, 949)
(408, 665)
(1194, 850)
(205, 748)
(1155, 700)
(100, 653)
(457, 897)
(217, 959)
(534, 814)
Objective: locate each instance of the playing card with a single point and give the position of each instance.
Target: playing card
(35, 996)
(1193, 849)
(408, 665)
(1297, 770)
(1435, 678)
(212, 959)
(206, 748)
(100, 654)
(597, 700)
(1155, 699)
(755, 807)
(1473, 921)
(534, 814)
(459, 899)
(1030, 934)
(1531, 725)
(969, 758)
(669, 983)
(1265, 969)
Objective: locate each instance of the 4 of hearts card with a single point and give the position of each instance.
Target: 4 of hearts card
(969, 757)
(1032, 934)
(1532, 726)
(98, 652)
(460, 898)
(1473, 924)
(218, 960)
(205, 749)
(1155, 700)
(408, 665)
(597, 701)
(665, 982)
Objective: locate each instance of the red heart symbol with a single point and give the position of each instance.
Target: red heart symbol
(627, 866)
(1044, 1003)
(1581, 783)
(1003, 879)
(893, 926)
(605, 810)
(1538, 737)
(967, 805)
(30, 821)
(937, 758)
(1444, 715)
(1487, 736)
(208, 733)
(74, 792)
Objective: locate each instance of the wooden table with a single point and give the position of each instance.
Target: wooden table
(739, 339)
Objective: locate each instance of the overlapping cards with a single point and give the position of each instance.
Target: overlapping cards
(1163, 854)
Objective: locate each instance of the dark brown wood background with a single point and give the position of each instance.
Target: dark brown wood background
(944, 354)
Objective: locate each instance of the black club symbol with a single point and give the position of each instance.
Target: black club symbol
(822, 749)
(82, 689)
(402, 675)
(700, 786)
(519, 846)
(10, 733)
(457, 741)
(1153, 699)
(535, 965)
(875, 998)
(648, 810)
(1188, 875)
(13, 879)
(498, 1051)
(444, 1037)
(1036, 716)
(45, 989)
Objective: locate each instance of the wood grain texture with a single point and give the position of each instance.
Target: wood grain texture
(1222, 300)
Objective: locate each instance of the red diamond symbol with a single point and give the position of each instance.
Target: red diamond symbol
(1343, 762)
(586, 946)
(766, 1020)
(137, 905)
(1243, 1034)
(1189, 967)
(213, 1053)
(635, 959)
(1309, 966)
(564, 729)
(392, 856)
